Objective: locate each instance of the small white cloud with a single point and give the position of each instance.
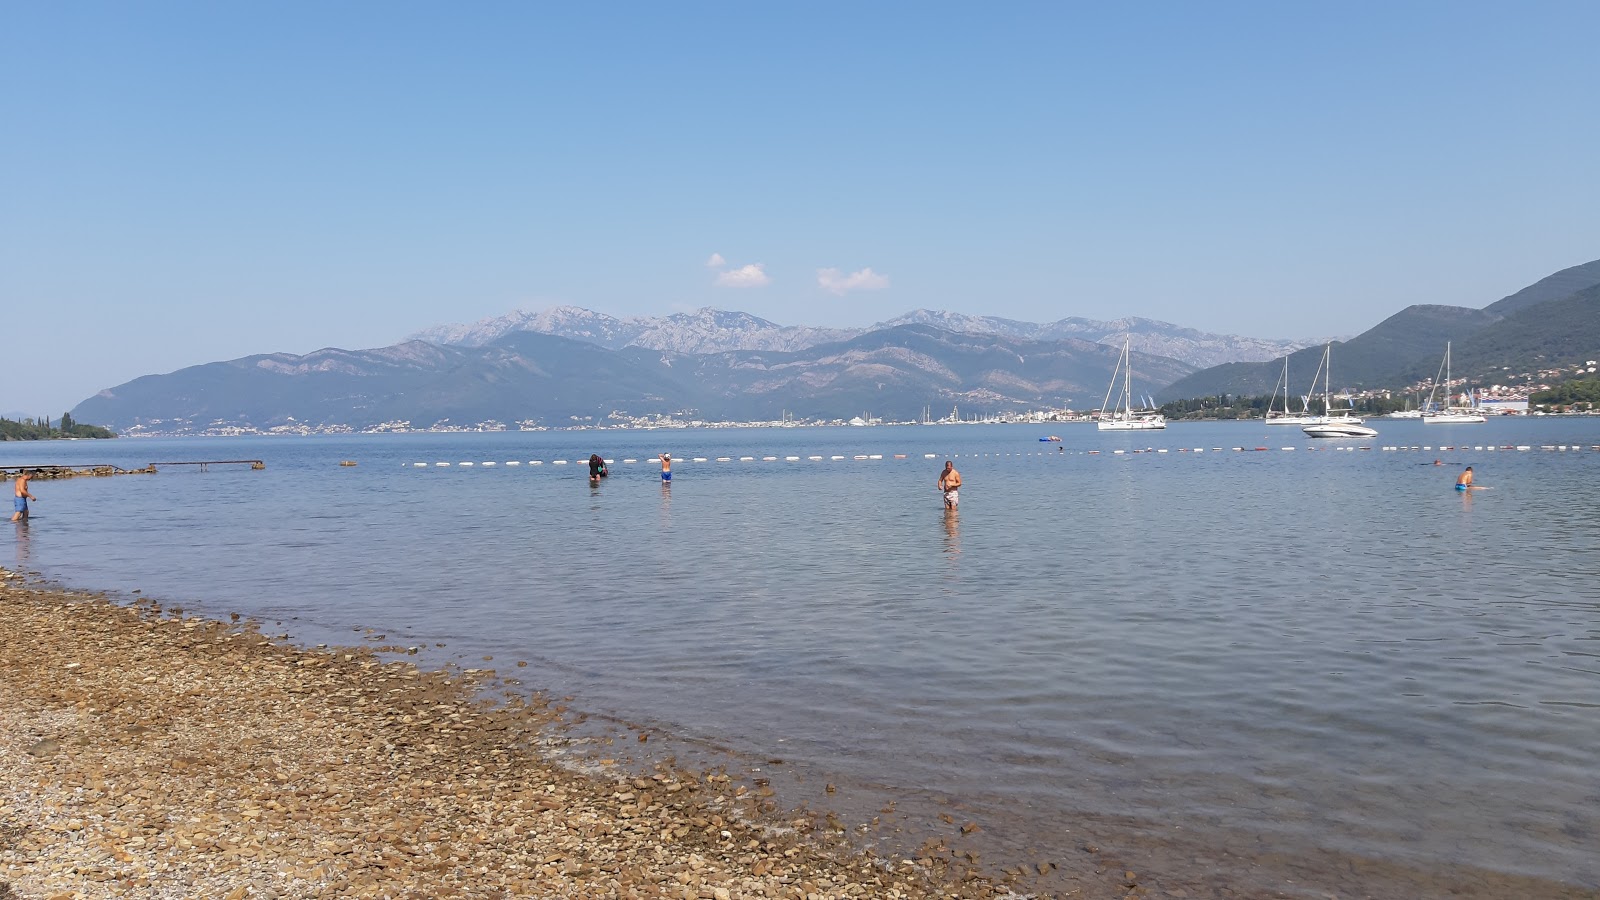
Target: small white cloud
(716, 261)
(753, 275)
(837, 282)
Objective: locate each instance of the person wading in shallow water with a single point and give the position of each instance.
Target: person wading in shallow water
(22, 498)
(950, 483)
(666, 466)
(597, 468)
(1464, 483)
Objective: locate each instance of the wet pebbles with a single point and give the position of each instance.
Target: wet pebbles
(148, 754)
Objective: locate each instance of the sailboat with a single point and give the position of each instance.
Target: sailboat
(1287, 417)
(1450, 415)
(1125, 417)
(1330, 425)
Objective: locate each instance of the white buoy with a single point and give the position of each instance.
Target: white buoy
(466, 464)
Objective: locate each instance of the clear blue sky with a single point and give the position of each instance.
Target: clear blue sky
(187, 182)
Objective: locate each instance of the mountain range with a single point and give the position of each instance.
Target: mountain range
(567, 365)
(526, 376)
(718, 331)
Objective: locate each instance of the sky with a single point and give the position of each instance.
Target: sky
(188, 182)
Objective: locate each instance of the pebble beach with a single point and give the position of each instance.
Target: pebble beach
(146, 753)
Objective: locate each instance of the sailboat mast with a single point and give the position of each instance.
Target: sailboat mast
(1447, 378)
(1111, 388)
(1127, 382)
(1327, 379)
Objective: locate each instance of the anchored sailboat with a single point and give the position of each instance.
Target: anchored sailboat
(1125, 417)
(1287, 417)
(1450, 415)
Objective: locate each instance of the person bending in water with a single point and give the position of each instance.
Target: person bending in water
(22, 498)
(666, 466)
(950, 483)
(1464, 483)
(597, 468)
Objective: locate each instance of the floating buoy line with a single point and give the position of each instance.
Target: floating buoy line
(877, 457)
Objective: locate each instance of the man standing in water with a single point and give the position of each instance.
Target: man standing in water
(950, 483)
(666, 467)
(22, 498)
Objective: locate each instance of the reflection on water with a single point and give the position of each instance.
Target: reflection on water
(952, 538)
(1318, 667)
(24, 545)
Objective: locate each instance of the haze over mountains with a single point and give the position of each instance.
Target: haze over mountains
(717, 331)
(569, 366)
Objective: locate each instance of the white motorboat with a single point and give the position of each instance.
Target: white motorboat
(1339, 428)
(1125, 417)
(1335, 423)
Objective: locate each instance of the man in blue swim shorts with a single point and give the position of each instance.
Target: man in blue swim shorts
(1464, 483)
(666, 466)
(22, 498)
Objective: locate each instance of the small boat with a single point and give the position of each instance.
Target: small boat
(1338, 428)
(1051, 438)
(1340, 424)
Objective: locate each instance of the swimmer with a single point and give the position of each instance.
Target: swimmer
(1464, 483)
(950, 483)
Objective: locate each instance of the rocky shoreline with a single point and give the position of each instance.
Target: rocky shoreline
(145, 753)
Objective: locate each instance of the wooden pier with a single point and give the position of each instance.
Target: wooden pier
(252, 463)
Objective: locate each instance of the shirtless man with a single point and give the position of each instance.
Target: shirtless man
(950, 483)
(22, 495)
(666, 466)
(1464, 483)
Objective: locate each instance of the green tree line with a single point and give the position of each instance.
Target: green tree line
(1582, 393)
(1236, 406)
(42, 429)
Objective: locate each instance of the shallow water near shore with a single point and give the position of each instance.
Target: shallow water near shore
(1289, 671)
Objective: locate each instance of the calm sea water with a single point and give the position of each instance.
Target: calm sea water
(1309, 671)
